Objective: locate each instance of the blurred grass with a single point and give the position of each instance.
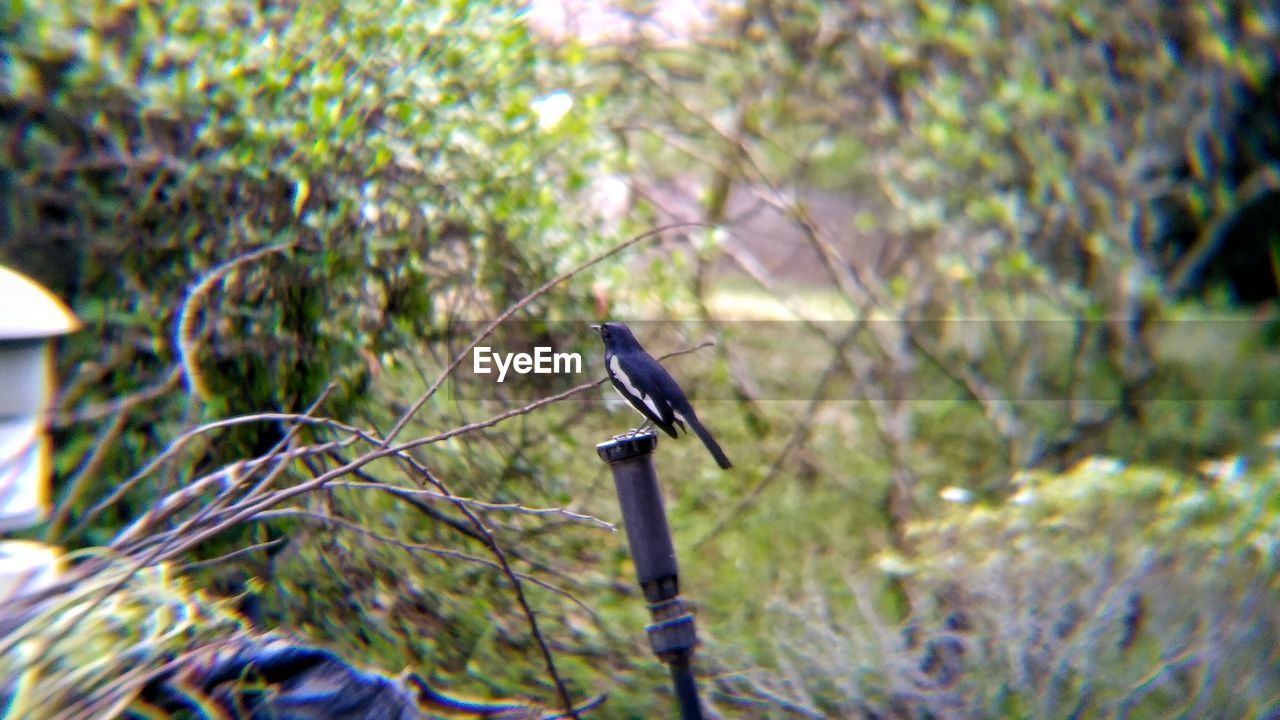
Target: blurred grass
(798, 582)
(821, 522)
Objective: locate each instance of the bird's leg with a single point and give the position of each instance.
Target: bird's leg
(643, 427)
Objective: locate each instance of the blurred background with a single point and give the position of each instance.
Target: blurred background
(991, 289)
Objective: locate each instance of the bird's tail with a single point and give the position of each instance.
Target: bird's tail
(713, 447)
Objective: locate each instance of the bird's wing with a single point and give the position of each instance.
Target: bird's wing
(655, 408)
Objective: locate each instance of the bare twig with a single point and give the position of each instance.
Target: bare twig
(238, 552)
(178, 443)
(102, 444)
(515, 508)
(519, 305)
(518, 588)
(416, 547)
(164, 386)
(184, 334)
(798, 436)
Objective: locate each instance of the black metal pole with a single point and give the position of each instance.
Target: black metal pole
(672, 634)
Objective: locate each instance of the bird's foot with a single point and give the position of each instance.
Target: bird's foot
(645, 426)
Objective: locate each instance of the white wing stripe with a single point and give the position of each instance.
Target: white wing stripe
(615, 369)
(648, 400)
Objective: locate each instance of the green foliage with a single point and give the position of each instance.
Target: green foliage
(1101, 507)
(248, 203)
(262, 200)
(102, 640)
(391, 153)
(1008, 156)
(1108, 590)
(1117, 586)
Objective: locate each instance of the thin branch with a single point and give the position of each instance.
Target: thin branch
(517, 587)
(519, 305)
(515, 508)
(230, 478)
(98, 411)
(183, 336)
(240, 552)
(798, 436)
(102, 444)
(177, 444)
(418, 547)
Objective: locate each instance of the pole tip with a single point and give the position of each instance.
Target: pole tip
(626, 447)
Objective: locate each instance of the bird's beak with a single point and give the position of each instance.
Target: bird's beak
(596, 328)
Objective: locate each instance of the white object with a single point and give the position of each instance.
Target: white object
(955, 494)
(29, 311)
(26, 567)
(29, 316)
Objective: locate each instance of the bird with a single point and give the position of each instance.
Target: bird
(650, 389)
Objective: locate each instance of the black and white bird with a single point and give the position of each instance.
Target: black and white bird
(650, 388)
